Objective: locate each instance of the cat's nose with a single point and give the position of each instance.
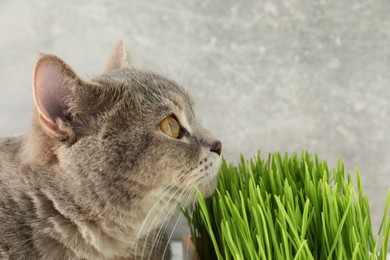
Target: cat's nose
(216, 147)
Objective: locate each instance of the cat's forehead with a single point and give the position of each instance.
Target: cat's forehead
(154, 84)
(150, 88)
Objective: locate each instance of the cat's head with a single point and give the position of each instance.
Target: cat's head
(124, 137)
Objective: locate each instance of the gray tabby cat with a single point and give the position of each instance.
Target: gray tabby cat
(105, 164)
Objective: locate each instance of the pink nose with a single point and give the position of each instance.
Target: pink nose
(216, 147)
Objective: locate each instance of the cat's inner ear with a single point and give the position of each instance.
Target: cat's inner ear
(118, 59)
(53, 82)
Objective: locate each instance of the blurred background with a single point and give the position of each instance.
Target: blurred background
(272, 75)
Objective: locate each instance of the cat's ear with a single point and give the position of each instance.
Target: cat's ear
(118, 59)
(52, 85)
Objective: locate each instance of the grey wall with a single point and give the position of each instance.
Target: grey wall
(275, 75)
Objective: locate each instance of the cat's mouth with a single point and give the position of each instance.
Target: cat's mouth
(203, 176)
(208, 174)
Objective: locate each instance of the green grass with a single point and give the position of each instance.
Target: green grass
(286, 208)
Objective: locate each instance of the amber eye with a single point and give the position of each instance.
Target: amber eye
(170, 127)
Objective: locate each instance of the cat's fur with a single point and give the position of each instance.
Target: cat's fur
(95, 177)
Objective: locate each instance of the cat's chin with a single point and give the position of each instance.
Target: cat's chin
(209, 189)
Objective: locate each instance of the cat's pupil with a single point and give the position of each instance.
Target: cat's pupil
(170, 128)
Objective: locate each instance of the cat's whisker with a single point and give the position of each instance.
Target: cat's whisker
(161, 195)
(180, 217)
(166, 221)
(192, 178)
(190, 194)
(168, 215)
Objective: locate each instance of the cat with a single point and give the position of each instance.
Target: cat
(105, 164)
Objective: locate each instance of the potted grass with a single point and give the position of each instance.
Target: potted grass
(286, 208)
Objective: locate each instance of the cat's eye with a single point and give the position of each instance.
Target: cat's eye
(171, 127)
